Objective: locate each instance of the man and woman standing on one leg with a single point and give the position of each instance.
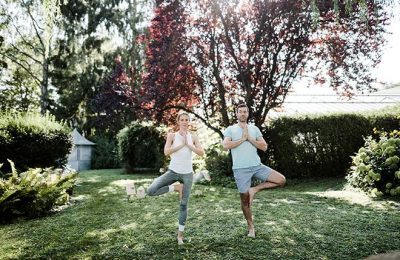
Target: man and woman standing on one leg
(242, 139)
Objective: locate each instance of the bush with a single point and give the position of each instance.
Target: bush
(105, 153)
(141, 145)
(34, 192)
(32, 140)
(321, 146)
(219, 164)
(375, 168)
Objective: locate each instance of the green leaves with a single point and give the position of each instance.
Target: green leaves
(34, 192)
(32, 140)
(375, 167)
(140, 145)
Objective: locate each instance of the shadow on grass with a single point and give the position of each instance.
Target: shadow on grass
(312, 220)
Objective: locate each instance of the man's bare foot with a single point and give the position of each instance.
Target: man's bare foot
(180, 238)
(252, 232)
(252, 193)
(179, 188)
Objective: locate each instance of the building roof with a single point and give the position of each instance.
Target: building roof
(299, 104)
(78, 139)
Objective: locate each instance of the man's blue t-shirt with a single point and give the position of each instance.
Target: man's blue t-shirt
(245, 155)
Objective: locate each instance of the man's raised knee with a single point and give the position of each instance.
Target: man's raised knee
(282, 182)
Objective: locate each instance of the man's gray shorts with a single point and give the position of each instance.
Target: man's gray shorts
(243, 176)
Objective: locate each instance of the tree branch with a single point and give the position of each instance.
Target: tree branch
(218, 131)
(36, 27)
(26, 41)
(25, 68)
(26, 54)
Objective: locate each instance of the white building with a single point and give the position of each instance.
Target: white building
(298, 103)
(81, 155)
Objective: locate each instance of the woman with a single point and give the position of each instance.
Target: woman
(179, 146)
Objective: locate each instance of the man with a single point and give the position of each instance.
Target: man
(243, 140)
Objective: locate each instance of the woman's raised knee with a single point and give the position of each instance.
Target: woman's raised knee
(151, 191)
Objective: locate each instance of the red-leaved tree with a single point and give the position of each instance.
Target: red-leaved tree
(170, 81)
(213, 54)
(116, 103)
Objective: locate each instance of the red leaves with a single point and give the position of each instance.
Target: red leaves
(170, 80)
(224, 52)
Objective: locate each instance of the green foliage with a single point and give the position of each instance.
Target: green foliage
(34, 192)
(219, 165)
(105, 153)
(32, 140)
(321, 146)
(376, 166)
(140, 145)
(20, 92)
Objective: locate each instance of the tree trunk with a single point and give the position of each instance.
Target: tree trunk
(44, 87)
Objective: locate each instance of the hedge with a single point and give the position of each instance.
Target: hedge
(321, 146)
(32, 140)
(141, 145)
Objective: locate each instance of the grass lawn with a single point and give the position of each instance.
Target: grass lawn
(305, 220)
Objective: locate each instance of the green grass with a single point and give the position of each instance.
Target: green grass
(305, 220)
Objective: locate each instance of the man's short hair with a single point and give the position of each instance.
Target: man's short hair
(241, 105)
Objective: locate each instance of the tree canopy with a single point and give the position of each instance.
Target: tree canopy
(253, 51)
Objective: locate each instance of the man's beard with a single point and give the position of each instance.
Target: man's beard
(242, 119)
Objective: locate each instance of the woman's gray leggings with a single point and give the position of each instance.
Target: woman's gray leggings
(160, 186)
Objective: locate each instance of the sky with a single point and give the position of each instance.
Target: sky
(388, 71)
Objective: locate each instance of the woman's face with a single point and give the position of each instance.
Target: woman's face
(183, 121)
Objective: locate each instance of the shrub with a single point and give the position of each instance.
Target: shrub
(219, 164)
(34, 192)
(321, 146)
(105, 153)
(32, 140)
(141, 145)
(375, 168)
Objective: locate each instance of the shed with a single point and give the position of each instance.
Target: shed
(81, 155)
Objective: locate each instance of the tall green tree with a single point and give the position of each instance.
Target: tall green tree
(87, 37)
(30, 43)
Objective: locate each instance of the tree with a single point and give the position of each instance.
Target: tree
(86, 54)
(115, 104)
(253, 50)
(19, 95)
(169, 80)
(89, 34)
(31, 49)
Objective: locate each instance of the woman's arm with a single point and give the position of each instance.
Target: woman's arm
(168, 149)
(197, 148)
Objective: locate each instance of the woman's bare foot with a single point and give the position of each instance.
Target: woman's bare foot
(179, 188)
(180, 238)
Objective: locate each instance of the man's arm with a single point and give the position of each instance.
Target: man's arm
(259, 143)
(229, 144)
